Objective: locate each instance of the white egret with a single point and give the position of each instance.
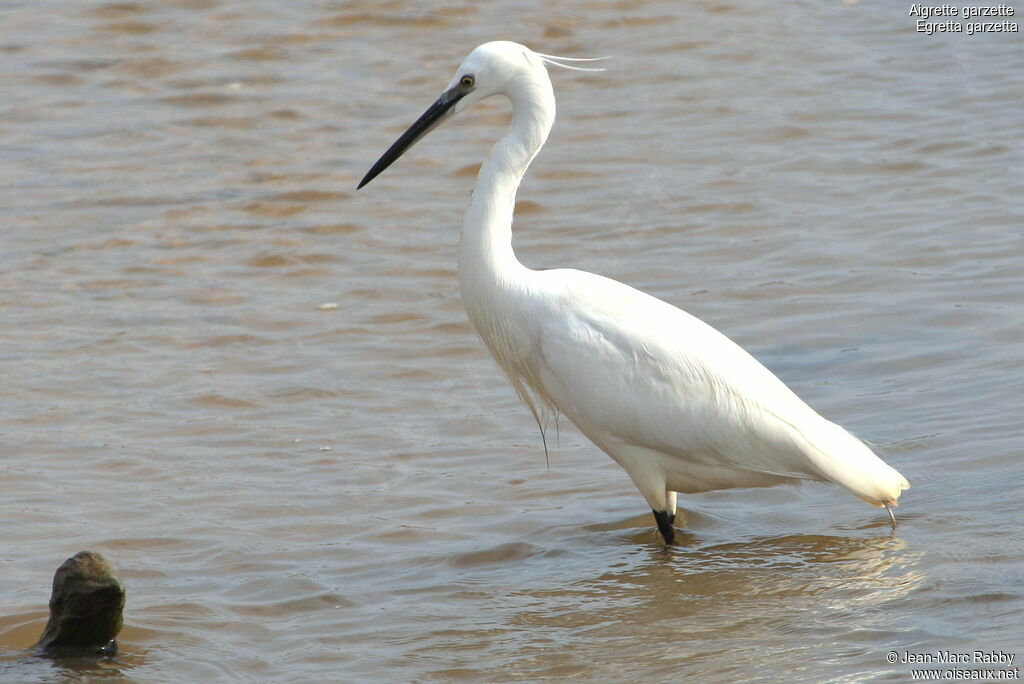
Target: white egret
(677, 404)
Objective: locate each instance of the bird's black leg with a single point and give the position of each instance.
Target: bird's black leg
(665, 521)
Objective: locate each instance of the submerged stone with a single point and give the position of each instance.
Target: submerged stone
(85, 608)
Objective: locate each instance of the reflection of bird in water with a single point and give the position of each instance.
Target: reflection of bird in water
(677, 404)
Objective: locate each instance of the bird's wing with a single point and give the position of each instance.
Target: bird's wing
(626, 366)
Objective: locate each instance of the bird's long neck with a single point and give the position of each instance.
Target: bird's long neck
(486, 258)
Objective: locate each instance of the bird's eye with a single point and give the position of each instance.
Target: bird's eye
(467, 81)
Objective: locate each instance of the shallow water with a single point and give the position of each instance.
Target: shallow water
(294, 491)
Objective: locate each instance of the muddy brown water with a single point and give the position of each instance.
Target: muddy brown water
(298, 492)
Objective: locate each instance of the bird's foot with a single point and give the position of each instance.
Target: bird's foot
(665, 521)
(892, 517)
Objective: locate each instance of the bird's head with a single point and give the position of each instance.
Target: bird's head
(496, 68)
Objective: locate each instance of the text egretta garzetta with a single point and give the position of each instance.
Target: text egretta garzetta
(677, 404)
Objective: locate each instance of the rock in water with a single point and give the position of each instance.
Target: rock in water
(85, 608)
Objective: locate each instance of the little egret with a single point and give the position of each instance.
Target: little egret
(677, 404)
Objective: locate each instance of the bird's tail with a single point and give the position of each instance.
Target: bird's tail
(847, 461)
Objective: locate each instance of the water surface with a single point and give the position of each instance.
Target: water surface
(300, 492)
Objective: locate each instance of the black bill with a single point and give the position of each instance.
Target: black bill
(426, 123)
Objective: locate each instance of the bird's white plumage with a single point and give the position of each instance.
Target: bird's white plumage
(677, 404)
